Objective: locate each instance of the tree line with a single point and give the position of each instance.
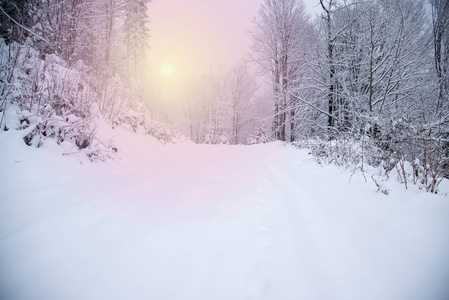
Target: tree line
(374, 72)
(359, 64)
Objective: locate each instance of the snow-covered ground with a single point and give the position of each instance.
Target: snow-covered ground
(211, 222)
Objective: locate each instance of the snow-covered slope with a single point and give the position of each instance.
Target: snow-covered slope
(211, 222)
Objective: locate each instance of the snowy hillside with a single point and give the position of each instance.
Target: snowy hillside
(208, 222)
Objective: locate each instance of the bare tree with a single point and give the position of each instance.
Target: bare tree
(375, 63)
(440, 24)
(276, 45)
(328, 8)
(241, 89)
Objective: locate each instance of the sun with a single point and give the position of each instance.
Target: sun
(167, 69)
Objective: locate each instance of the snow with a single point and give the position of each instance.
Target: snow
(215, 222)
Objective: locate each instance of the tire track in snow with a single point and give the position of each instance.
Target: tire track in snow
(304, 219)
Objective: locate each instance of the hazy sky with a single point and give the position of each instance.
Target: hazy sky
(195, 35)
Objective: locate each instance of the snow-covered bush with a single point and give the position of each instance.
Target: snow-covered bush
(220, 139)
(419, 150)
(49, 97)
(260, 137)
(223, 139)
(346, 152)
(63, 103)
(416, 154)
(208, 138)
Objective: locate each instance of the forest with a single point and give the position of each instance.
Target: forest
(363, 83)
(248, 150)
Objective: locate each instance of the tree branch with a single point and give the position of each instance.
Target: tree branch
(23, 27)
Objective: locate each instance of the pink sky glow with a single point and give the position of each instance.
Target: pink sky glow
(196, 35)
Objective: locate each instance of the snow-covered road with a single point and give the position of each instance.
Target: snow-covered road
(211, 222)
